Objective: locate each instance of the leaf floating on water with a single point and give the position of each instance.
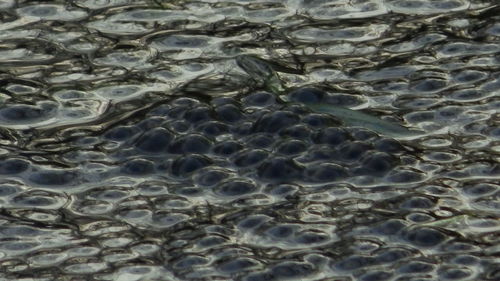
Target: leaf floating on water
(260, 71)
(358, 118)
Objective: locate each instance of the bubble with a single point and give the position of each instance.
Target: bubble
(53, 177)
(236, 187)
(310, 237)
(155, 140)
(354, 262)
(352, 151)
(51, 12)
(318, 120)
(138, 167)
(253, 221)
(259, 99)
(250, 157)
(281, 231)
(388, 145)
(190, 261)
(192, 143)
(292, 147)
(229, 113)
(259, 140)
(424, 236)
(376, 276)
(332, 136)
(27, 113)
(213, 128)
(237, 265)
(430, 85)
(307, 95)
(292, 270)
(185, 165)
(280, 169)
(297, 131)
(6, 190)
(392, 255)
(275, 121)
(325, 172)
(406, 176)
(13, 166)
(454, 273)
(417, 202)
(210, 177)
(121, 133)
(389, 227)
(211, 241)
(227, 148)
(416, 267)
(198, 114)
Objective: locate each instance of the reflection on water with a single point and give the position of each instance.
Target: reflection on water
(133, 147)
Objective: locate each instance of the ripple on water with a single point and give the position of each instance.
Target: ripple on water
(354, 34)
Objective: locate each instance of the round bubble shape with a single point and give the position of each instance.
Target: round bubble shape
(227, 148)
(191, 143)
(213, 128)
(155, 140)
(406, 176)
(454, 273)
(211, 241)
(198, 114)
(51, 12)
(388, 145)
(325, 172)
(281, 231)
(253, 221)
(121, 133)
(280, 169)
(332, 136)
(53, 177)
(354, 262)
(392, 255)
(27, 113)
(299, 131)
(470, 76)
(120, 92)
(259, 140)
(7, 189)
(151, 123)
(13, 166)
(318, 153)
(138, 167)
(250, 157)
(417, 202)
(376, 276)
(311, 237)
(281, 190)
(38, 200)
(480, 189)
(376, 164)
(210, 177)
(275, 121)
(292, 270)
(307, 95)
(292, 147)
(190, 261)
(236, 187)
(316, 120)
(430, 85)
(389, 227)
(424, 236)
(352, 151)
(259, 99)
(237, 265)
(187, 164)
(416, 267)
(229, 113)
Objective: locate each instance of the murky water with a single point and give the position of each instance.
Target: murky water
(133, 147)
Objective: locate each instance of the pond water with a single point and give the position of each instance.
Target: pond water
(133, 146)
